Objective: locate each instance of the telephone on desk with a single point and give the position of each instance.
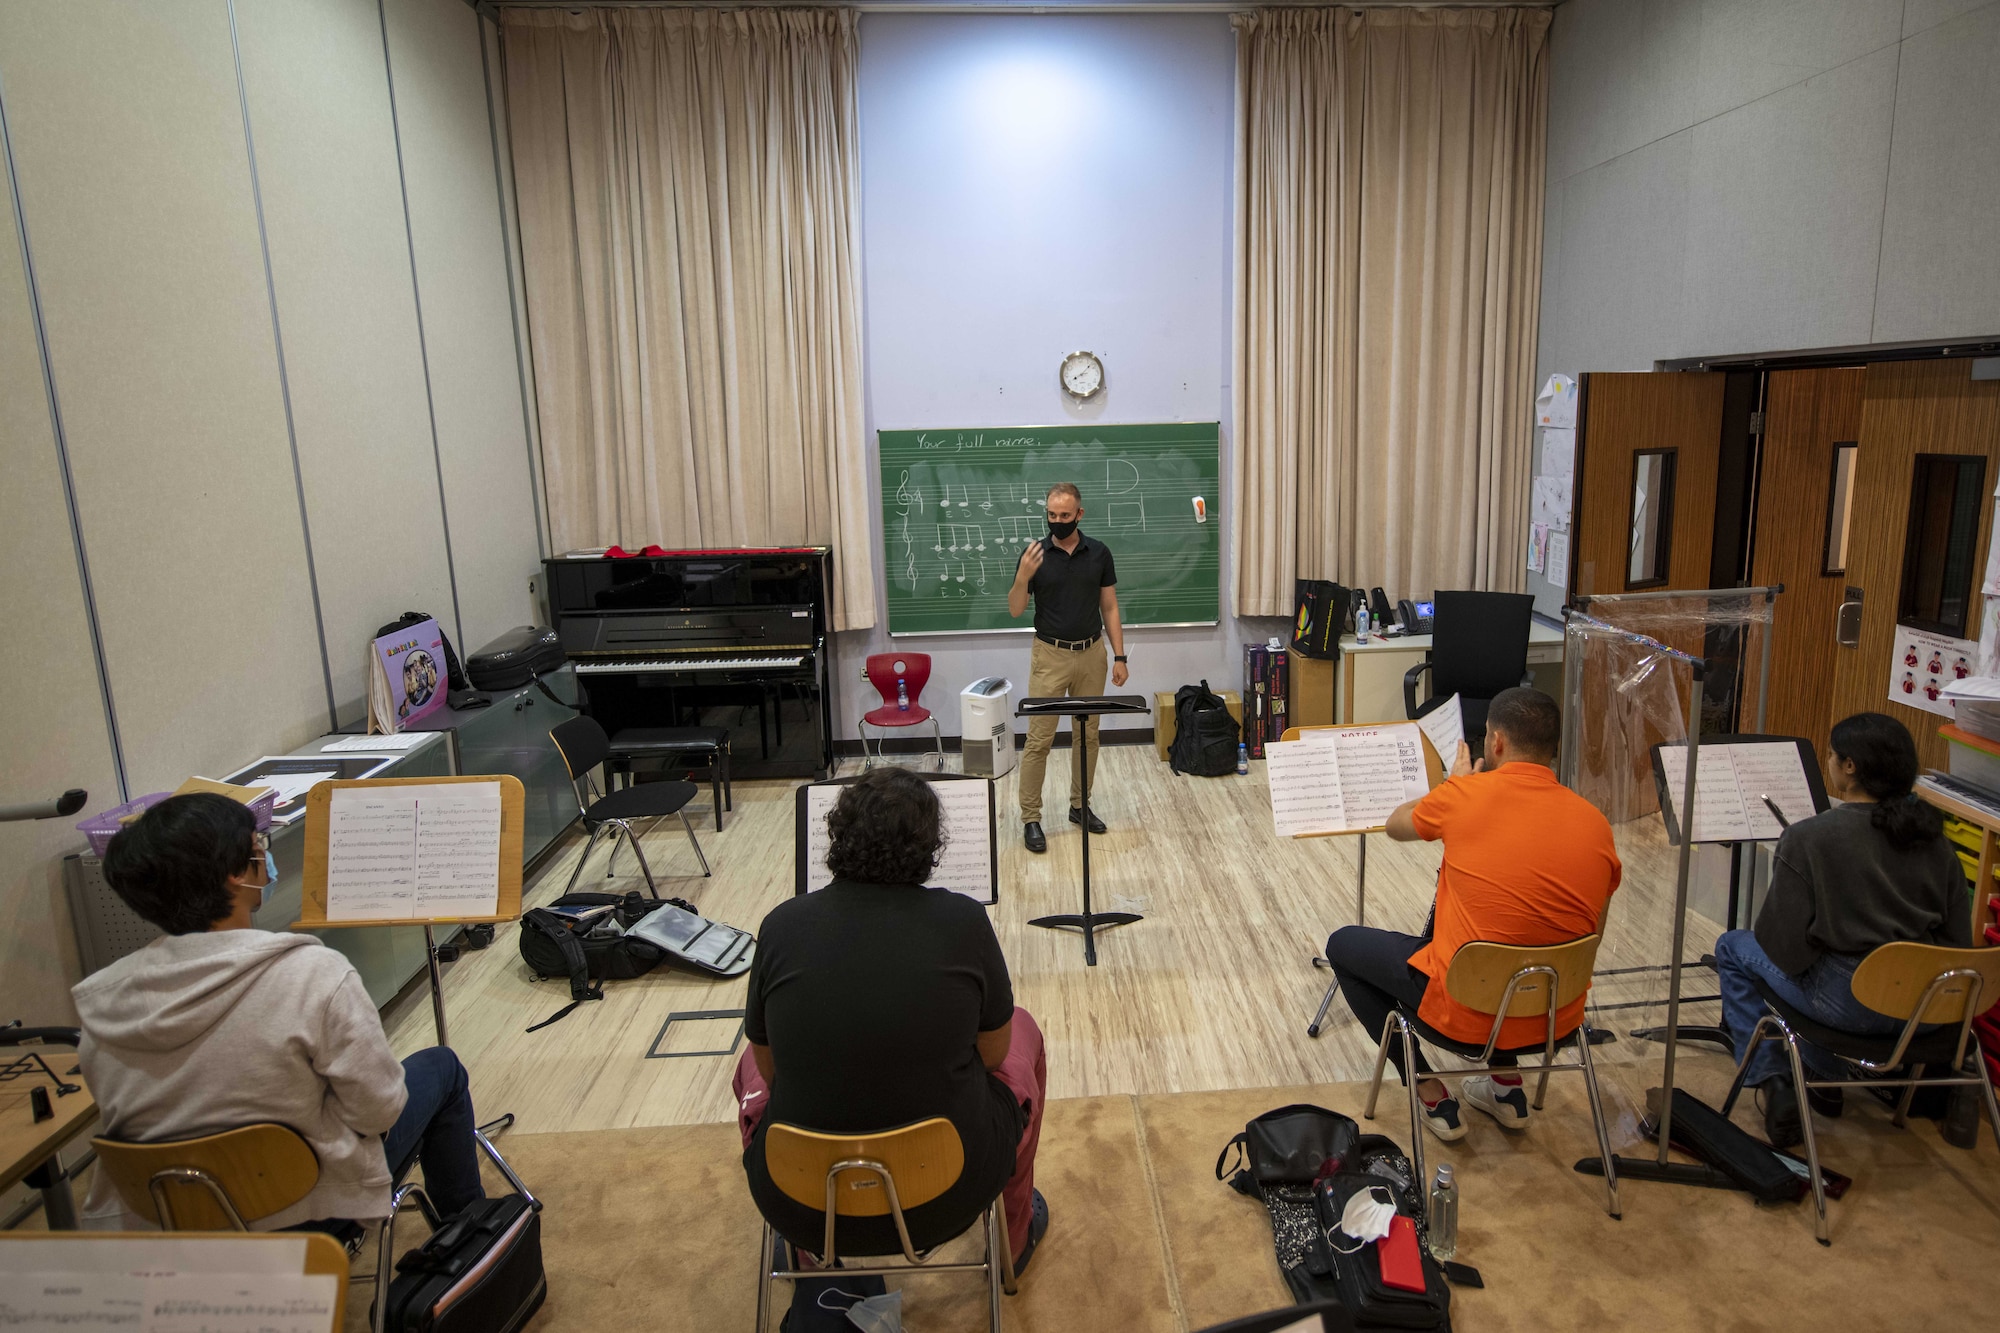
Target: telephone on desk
(1416, 617)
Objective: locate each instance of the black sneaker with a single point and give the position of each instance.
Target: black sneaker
(1033, 837)
(1781, 1114)
(1076, 817)
(1038, 1227)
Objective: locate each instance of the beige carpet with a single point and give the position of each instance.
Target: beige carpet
(653, 1229)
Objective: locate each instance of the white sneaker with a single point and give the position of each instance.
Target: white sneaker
(1442, 1119)
(1508, 1105)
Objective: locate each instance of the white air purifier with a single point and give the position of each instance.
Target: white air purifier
(986, 721)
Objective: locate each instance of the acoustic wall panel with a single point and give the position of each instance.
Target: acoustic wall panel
(53, 730)
(441, 108)
(318, 94)
(128, 140)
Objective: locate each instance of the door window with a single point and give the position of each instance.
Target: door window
(1652, 522)
(1839, 509)
(1940, 542)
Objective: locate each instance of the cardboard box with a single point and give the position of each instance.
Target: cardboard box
(1165, 724)
(1312, 691)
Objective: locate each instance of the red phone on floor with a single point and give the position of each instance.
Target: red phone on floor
(1402, 1263)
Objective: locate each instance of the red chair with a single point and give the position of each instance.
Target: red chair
(883, 671)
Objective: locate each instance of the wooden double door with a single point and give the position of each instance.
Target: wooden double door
(1856, 473)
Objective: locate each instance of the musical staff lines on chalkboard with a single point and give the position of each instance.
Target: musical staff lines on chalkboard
(960, 505)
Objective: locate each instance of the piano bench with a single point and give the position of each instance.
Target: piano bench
(707, 746)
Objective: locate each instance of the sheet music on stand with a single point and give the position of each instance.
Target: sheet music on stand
(971, 862)
(1344, 779)
(1733, 776)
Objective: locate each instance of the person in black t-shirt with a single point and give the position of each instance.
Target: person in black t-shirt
(1074, 584)
(875, 1003)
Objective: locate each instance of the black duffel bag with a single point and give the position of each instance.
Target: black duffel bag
(481, 1273)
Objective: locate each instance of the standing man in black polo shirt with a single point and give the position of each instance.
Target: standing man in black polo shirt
(1075, 588)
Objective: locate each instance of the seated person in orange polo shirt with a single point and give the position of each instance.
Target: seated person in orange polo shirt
(1526, 861)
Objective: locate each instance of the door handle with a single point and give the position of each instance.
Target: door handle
(1847, 626)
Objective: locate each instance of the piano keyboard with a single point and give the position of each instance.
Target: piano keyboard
(628, 666)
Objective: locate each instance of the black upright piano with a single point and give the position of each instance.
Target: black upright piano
(730, 638)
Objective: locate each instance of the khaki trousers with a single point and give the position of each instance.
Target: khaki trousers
(1056, 671)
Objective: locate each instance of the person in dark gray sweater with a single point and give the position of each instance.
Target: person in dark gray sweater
(1874, 870)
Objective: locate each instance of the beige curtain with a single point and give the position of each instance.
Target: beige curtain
(689, 192)
(1388, 276)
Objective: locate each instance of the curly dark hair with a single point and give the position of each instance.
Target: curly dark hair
(886, 828)
(170, 864)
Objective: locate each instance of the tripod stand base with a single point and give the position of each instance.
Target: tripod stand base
(1089, 923)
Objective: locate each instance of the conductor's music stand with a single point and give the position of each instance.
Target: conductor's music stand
(1080, 709)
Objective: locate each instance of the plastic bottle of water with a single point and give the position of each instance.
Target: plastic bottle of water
(1361, 623)
(902, 695)
(1242, 757)
(1444, 1215)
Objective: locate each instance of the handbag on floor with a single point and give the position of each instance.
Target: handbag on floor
(1372, 1303)
(480, 1273)
(1280, 1154)
(592, 938)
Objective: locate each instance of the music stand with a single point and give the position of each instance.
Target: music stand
(1080, 709)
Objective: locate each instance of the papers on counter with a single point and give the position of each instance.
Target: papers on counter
(403, 740)
(1345, 780)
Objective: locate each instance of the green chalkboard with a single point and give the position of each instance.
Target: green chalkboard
(959, 507)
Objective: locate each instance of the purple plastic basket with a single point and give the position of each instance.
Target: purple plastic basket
(100, 828)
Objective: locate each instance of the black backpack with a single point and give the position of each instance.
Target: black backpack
(1205, 736)
(555, 943)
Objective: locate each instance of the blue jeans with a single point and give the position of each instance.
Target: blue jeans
(1824, 991)
(436, 1128)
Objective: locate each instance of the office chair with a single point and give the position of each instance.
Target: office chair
(876, 1175)
(1479, 647)
(883, 671)
(1916, 983)
(583, 746)
(1507, 981)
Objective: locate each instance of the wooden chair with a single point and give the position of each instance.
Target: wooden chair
(1507, 981)
(219, 1182)
(224, 1182)
(1916, 984)
(876, 1175)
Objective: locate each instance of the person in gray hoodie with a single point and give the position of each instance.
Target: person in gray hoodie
(217, 1024)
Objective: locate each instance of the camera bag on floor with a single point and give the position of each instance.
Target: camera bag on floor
(1705, 1132)
(1281, 1153)
(480, 1273)
(1357, 1268)
(1205, 736)
(591, 938)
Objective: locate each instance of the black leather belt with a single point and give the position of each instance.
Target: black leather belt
(1069, 645)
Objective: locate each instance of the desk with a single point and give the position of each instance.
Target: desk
(25, 1145)
(1367, 680)
(1988, 823)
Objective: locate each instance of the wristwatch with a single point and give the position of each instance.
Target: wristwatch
(1119, 658)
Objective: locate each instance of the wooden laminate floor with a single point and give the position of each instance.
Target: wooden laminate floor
(1213, 990)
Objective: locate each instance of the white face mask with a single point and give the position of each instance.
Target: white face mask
(878, 1314)
(1366, 1217)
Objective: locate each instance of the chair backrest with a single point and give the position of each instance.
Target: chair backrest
(1480, 971)
(924, 1160)
(884, 669)
(1479, 642)
(582, 744)
(262, 1169)
(1893, 979)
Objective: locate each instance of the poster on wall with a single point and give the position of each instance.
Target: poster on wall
(1924, 663)
(1557, 559)
(1555, 405)
(1558, 452)
(1538, 547)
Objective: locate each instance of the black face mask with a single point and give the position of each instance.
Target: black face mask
(1061, 531)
